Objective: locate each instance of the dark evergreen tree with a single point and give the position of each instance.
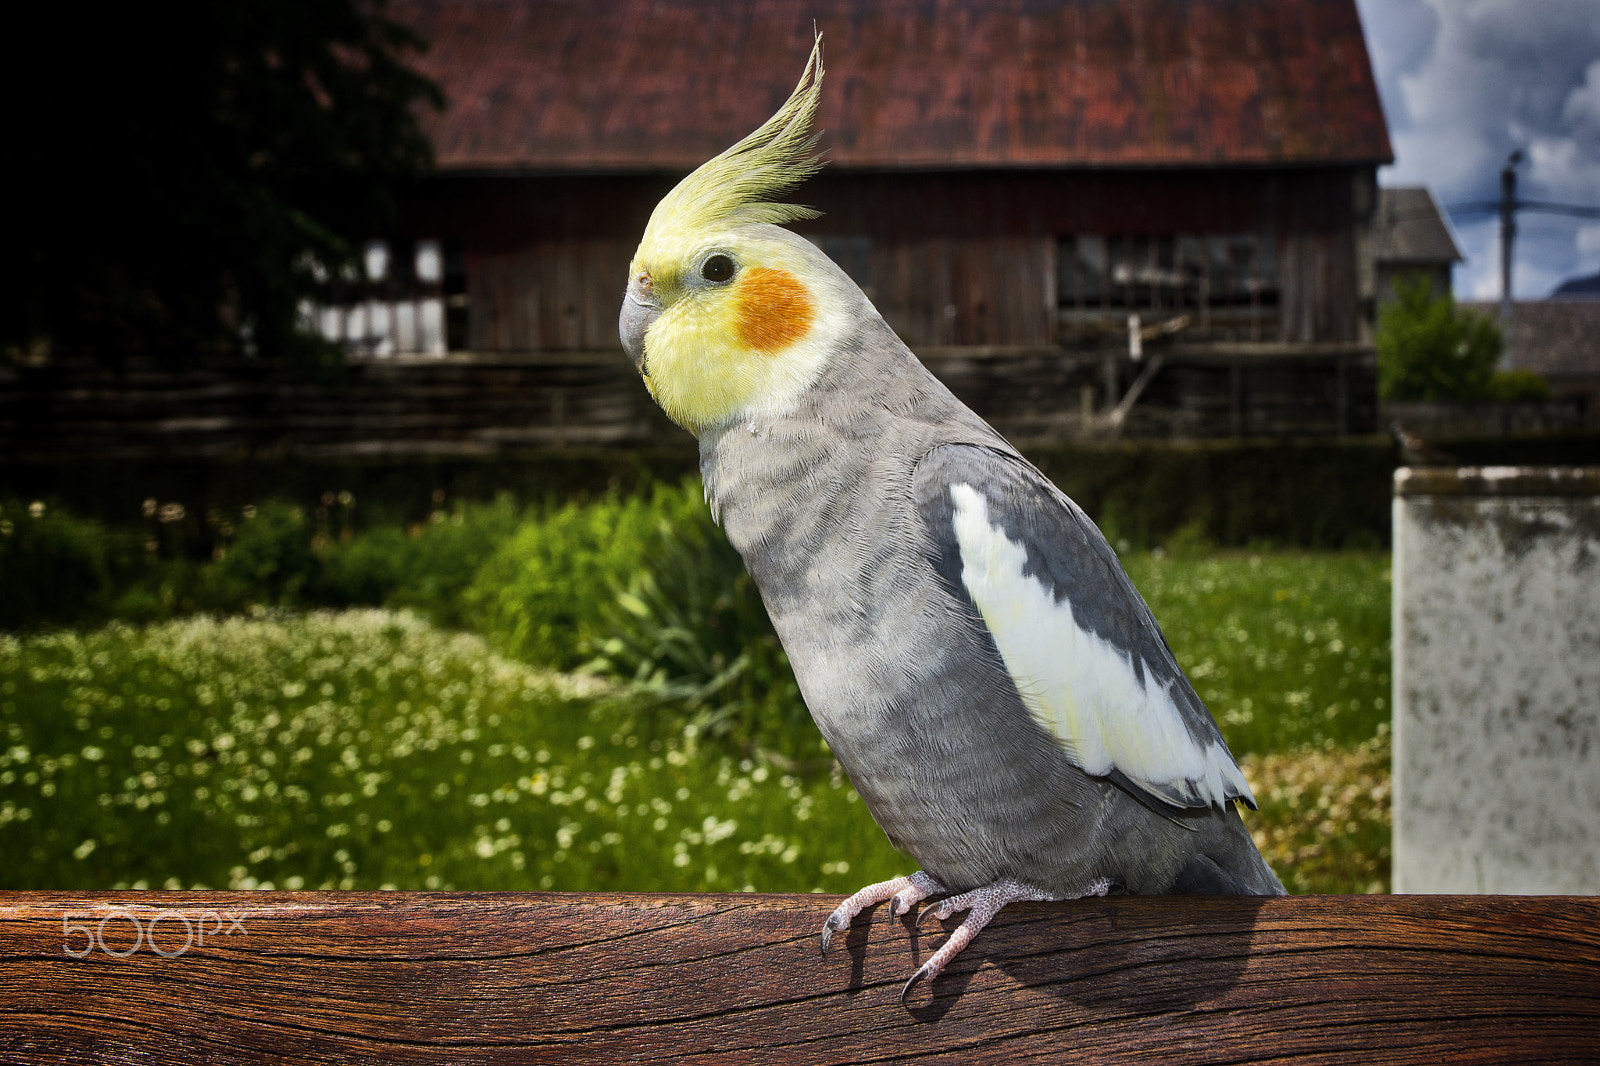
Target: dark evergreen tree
(178, 168)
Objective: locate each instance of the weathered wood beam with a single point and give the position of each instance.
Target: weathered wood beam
(360, 977)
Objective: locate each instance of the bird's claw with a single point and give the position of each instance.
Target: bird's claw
(902, 902)
(833, 925)
(901, 892)
(938, 910)
(981, 905)
(927, 971)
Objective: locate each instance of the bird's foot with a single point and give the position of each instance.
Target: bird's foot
(901, 892)
(981, 905)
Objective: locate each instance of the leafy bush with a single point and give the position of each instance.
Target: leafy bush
(1430, 349)
(1514, 385)
(543, 595)
(367, 569)
(269, 560)
(430, 566)
(690, 627)
(53, 567)
(648, 591)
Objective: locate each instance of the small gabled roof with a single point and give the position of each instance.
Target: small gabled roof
(661, 85)
(1410, 229)
(1557, 338)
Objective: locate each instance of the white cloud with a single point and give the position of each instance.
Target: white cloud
(1582, 108)
(1464, 82)
(1564, 168)
(1588, 240)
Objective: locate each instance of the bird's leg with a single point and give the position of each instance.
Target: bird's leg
(902, 893)
(981, 905)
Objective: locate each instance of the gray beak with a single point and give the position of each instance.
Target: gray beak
(639, 309)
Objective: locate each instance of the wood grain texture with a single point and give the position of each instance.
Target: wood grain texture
(547, 977)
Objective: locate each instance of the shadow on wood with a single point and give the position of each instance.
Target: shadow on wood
(224, 977)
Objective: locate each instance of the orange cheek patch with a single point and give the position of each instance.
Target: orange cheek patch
(775, 310)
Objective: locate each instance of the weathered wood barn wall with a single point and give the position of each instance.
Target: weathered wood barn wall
(1009, 181)
(948, 258)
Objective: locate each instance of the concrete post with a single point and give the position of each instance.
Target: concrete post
(1497, 680)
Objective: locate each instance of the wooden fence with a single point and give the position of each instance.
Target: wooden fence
(360, 977)
(468, 405)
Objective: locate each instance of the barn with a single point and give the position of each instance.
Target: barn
(1152, 216)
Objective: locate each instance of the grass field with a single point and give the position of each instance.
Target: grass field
(365, 749)
(368, 749)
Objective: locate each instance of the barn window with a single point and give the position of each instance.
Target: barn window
(1225, 284)
(396, 299)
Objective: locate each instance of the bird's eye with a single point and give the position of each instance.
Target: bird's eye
(717, 268)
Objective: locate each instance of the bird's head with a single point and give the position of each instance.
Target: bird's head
(726, 314)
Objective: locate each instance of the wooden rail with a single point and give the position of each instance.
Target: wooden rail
(488, 978)
(495, 405)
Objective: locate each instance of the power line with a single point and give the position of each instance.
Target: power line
(1494, 207)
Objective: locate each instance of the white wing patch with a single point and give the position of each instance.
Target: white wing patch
(1078, 685)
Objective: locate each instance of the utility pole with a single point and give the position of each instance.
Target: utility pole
(1508, 205)
(1508, 235)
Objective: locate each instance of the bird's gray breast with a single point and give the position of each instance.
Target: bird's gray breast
(899, 673)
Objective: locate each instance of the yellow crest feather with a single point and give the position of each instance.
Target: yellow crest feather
(737, 187)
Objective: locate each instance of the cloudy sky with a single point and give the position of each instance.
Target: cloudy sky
(1464, 82)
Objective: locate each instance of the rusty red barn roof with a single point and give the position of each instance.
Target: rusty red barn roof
(664, 84)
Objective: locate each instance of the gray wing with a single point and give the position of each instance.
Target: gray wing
(1079, 642)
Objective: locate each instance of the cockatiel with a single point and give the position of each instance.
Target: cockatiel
(963, 636)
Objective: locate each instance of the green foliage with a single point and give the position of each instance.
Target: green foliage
(544, 595)
(431, 566)
(270, 560)
(60, 569)
(1189, 541)
(690, 628)
(1514, 385)
(199, 153)
(53, 567)
(648, 591)
(1430, 349)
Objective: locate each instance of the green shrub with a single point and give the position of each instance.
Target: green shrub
(269, 560)
(430, 566)
(53, 566)
(648, 591)
(1513, 385)
(544, 594)
(1430, 349)
(445, 556)
(690, 627)
(367, 569)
